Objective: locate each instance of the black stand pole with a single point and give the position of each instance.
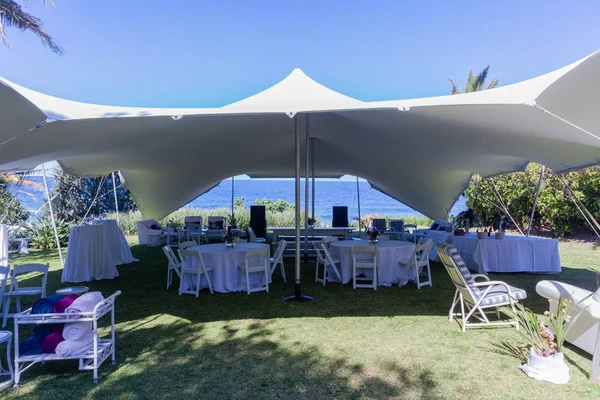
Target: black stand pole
(297, 297)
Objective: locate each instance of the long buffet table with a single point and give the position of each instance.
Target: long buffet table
(325, 231)
(511, 254)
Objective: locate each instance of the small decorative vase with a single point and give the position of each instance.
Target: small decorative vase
(311, 227)
(481, 235)
(229, 244)
(373, 241)
(499, 235)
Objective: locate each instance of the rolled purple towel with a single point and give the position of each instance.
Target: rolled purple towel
(61, 305)
(50, 342)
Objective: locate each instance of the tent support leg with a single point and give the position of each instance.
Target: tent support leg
(115, 193)
(312, 160)
(297, 296)
(52, 216)
(306, 187)
(535, 199)
(358, 201)
(232, 195)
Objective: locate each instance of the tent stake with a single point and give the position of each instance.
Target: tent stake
(115, 193)
(52, 216)
(535, 199)
(297, 296)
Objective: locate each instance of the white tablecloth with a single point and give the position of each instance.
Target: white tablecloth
(226, 276)
(511, 254)
(88, 256)
(116, 242)
(389, 252)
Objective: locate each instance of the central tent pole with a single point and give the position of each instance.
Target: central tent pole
(297, 296)
(52, 215)
(537, 193)
(306, 187)
(312, 159)
(115, 193)
(232, 192)
(358, 201)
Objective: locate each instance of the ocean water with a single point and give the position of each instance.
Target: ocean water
(328, 193)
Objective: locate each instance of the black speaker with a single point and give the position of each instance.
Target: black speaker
(258, 220)
(340, 216)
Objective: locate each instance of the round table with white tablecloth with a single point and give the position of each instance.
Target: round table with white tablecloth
(88, 255)
(389, 253)
(116, 242)
(226, 276)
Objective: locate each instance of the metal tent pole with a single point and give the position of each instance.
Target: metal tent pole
(358, 201)
(537, 193)
(232, 195)
(52, 215)
(312, 159)
(297, 296)
(115, 193)
(306, 187)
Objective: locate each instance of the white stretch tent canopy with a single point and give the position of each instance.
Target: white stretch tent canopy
(421, 152)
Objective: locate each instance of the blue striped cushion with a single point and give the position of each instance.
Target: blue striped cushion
(452, 252)
(499, 295)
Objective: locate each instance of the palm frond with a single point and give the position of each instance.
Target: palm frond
(480, 79)
(454, 87)
(13, 16)
(493, 83)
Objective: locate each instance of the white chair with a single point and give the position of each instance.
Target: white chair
(379, 224)
(174, 265)
(329, 264)
(252, 236)
(359, 261)
(15, 291)
(4, 275)
(328, 240)
(187, 244)
(6, 338)
(277, 259)
(255, 262)
(194, 273)
(216, 226)
(585, 333)
(476, 298)
(418, 261)
(147, 235)
(193, 228)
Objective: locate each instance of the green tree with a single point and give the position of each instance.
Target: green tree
(13, 16)
(12, 210)
(275, 206)
(475, 83)
(75, 195)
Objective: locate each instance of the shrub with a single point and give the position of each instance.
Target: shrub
(42, 233)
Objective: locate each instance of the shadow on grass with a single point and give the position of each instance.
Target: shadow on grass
(238, 362)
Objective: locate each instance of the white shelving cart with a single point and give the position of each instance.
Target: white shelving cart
(89, 359)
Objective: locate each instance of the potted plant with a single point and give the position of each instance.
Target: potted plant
(232, 222)
(230, 237)
(465, 221)
(311, 223)
(546, 335)
(499, 223)
(372, 235)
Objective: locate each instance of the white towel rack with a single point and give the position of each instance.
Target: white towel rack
(89, 359)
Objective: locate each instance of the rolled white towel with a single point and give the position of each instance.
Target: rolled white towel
(73, 347)
(85, 303)
(75, 330)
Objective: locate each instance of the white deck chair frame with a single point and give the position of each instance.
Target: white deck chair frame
(174, 265)
(468, 302)
(364, 264)
(277, 259)
(18, 292)
(250, 267)
(195, 272)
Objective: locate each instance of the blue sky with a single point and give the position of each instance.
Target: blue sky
(210, 53)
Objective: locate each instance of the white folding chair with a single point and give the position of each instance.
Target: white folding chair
(329, 239)
(359, 261)
(195, 273)
(325, 258)
(277, 259)
(256, 261)
(418, 261)
(187, 244)
(15, 291)
(252, 236)
(174, 265)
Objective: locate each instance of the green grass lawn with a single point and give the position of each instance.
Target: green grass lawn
(395, 342)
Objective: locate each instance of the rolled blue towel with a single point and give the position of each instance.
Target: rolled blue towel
(42, 330)
(30, 347)
(45, 305)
